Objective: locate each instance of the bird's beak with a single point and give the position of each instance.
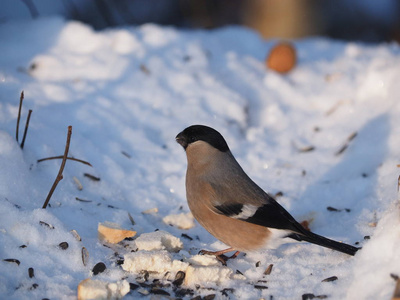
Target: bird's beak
(180, 139)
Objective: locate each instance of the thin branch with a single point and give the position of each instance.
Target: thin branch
(61, 156)
(344, 147)
(21, 98)
(26, 128)
(59, 175)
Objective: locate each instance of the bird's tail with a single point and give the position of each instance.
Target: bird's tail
(311, 237)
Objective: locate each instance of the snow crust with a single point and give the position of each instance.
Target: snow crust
(127, 92)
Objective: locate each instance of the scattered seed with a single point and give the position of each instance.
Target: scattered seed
(133, 286)
(34, 286)
(226, 291)
(120, 261)
(262, 281)
(31, 272)
(158, 291)
(131, 219)
(367, 237)
(184, 235)
(82, 200)
(144, 69)
(91, 177)
(330, 208)
(260, 287)
(33, 66)
(303, 173)
(238, 272)
(63, 245)
(179, 277)
(258, 264)
(330, 279)
(153, 210)
(146, 275)
(46, 224)
(209, 297)
(23, 246)
(196, 298)
(78, 183)
(111, 206)
(99, 268)
(279, 194)
(12, 260)
(85, 256)
(268, 270)
(76, 235)
(312, 296)
(306, 149)
(184, 292)
(126, 154)
(143, 291)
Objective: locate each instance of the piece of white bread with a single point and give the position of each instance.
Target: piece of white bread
(99, 290)
(113, 233)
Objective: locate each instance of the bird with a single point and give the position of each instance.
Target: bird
(231, 206)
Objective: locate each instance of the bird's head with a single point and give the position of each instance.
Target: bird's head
(200, 133)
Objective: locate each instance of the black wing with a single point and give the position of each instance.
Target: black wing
(270, 214)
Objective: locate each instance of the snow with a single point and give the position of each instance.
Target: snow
(158, 240)
(127, 92)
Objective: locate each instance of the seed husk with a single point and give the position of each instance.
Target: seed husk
(99, 268)
(268, 270)
(330, 279)
(12, 260)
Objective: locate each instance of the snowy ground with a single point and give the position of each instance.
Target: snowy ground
(128, 92)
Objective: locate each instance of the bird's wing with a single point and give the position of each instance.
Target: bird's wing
(255, 207)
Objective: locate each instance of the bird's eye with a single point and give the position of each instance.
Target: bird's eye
(192, 139)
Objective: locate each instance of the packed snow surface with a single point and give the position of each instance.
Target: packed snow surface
(326, 135)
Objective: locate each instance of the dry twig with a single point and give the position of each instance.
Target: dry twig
(26, 128)
(344, 147)
(62, 156)
(21, 98)
(59, 175)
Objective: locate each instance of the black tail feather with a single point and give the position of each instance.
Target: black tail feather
(324, 242)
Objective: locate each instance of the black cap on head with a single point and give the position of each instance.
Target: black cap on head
(202, 133)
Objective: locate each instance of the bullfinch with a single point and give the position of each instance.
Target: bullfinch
(229, 205)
